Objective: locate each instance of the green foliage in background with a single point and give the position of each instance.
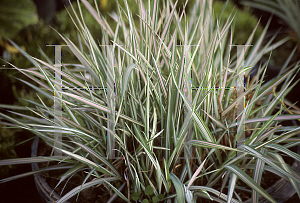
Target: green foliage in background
(287, 10)
(15, 15)
(243, 23)
(7, 144)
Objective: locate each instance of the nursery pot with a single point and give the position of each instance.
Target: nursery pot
(281, 191)
(46, 192)
(42, 186)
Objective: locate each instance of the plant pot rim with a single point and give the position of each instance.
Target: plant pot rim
(42, 186)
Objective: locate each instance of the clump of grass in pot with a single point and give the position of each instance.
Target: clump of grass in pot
(157, 116)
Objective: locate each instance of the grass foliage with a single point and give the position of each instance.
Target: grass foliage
(176, 143)
(286, 10)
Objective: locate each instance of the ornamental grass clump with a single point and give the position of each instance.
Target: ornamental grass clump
(153, 114)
